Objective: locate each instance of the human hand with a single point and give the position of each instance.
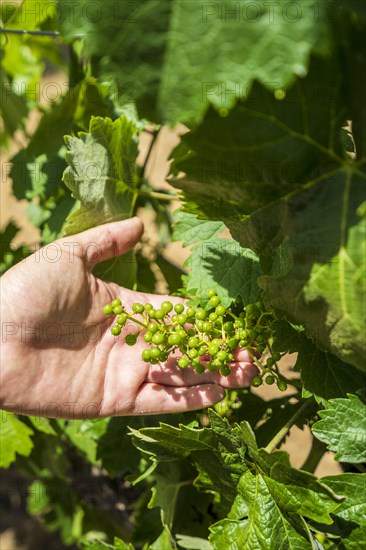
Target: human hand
(59, 358)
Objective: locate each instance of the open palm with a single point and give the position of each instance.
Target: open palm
(60, 360)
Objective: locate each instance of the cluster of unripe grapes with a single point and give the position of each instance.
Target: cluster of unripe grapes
(205, 336)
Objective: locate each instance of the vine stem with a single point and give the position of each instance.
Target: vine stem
(287, 427)
(318, 448)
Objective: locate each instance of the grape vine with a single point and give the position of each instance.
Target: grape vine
(204, 336)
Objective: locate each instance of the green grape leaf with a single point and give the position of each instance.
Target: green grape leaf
(13, 108)
(312, 248)
(165, 491)
(164, 541)
(224, 265)
(267, 527)
(324, 374)
(350, 517)
(161, 53)
(15, 438)
(102, 172)
(343, 428)
(42, 424)
(114, 448)
(193, 543)
(118, 544)
(85, 434)
(230, 173)
(217, 453)
(216, 262)
(189, 229)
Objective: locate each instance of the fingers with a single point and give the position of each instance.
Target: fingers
(108, 241)
(170, 374)
(159, 399)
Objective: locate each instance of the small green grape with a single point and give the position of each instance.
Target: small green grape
(192, 353)
(159, 314)
(281, 384)
(193, 342)
(225, 370)
(121, 319)
(200, 314)
(131, 339)
(213, 349)
(148, 336)
(116, 330)
(212, 317)
(181, 319)
(211, 293)
(117, 310)
(108, 309)
(221, 355)
(153, 327)
(190, 312)
(270, 380)
(138, 308)
(202, 350)
(116, 302)
(233, 343)
(174, 339)
(167, 307)
(158, 338)
(276, 356)
(229, 326)
(183, 362)
(199, 325)
(239, 323)
(148, 307)
(182, 333)
(151, 313)
(191, 332)
(199, 368)
(179, 308)
(155, 353)
(207, 327)
(214, 301)
(257, 381)
(146, 355)
(220, 310)
(270, 362)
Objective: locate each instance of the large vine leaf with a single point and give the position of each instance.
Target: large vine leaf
(324, 374)
(101, 172)
(216, 262)
(350, 517)
(162, 52)
(343, 428)
(267, 527)
(15, 438)
(312, 244)
(259, 491)
(264, 148)
(102, 175)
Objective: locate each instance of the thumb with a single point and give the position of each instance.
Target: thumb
(108, 241)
